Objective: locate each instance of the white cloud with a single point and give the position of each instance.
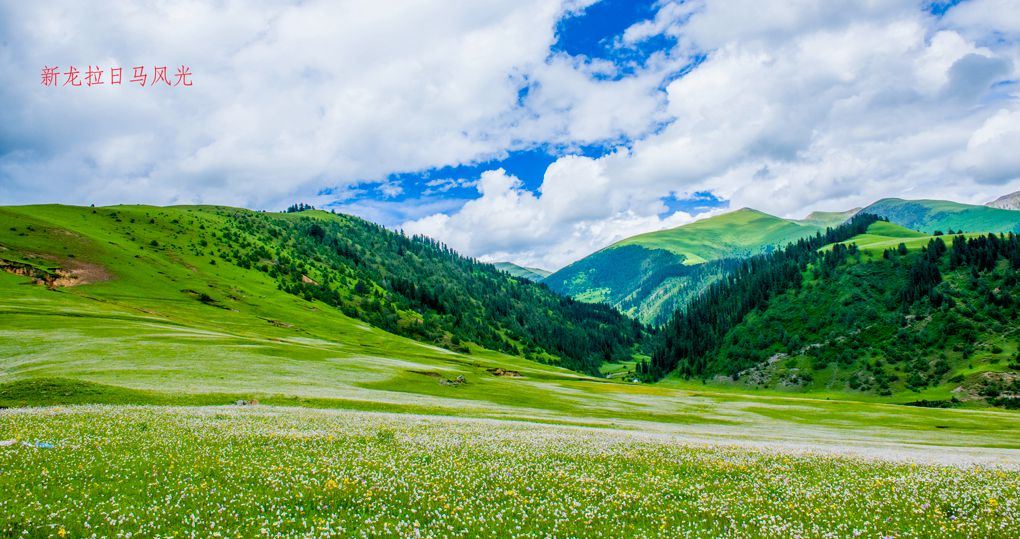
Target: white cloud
(983, 19)
(576, 212)
(798, 106)
(288, 97)
(993, 150)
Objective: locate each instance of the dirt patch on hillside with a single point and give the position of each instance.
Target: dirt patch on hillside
(81, 273)
(74, 274)
(506, 373)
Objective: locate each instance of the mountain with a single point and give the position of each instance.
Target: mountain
(942, 215)
(826, 219)
(524, 272)
(650, 275)
(885, 311)
(206, 257)
(1006, 202)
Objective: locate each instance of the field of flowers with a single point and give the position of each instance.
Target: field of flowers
(263, 471)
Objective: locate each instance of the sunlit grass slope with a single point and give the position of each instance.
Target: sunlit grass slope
(739, 233)
(884, 235)
(156, 327)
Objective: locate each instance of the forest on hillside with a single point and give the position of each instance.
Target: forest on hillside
(420, 288)
(905, 320)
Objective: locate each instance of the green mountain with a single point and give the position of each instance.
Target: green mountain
(651, 275)
(524, 272)
(740, 233)
(942, 215)
(207, 258)
(1006, 202)
(884, 311)
(826, 219)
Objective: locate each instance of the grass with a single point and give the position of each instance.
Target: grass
(362, 432)
(282, 472)
(883, 235)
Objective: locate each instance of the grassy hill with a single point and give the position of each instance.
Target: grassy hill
(207, 259)
(531, 274)
(649, 276)
(942, 215)
(740, 233)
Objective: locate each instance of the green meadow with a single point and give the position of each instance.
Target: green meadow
(129, 395)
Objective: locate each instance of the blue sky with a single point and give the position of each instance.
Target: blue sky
(535, 131)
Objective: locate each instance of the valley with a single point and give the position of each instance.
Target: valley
(129, 326)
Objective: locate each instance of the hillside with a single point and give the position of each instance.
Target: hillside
(1006, 202)
(531, 274)
(736, 234)
(208, 256)
(826, 219)
(905, 315)
(651, 275)
(942, 215)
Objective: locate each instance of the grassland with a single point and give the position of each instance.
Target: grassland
(362, 432)
(884, 235)
(219, 472)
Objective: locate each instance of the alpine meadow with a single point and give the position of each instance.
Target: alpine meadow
(542, 268)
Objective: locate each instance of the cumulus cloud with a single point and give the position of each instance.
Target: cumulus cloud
(797, 106)
(288, 97)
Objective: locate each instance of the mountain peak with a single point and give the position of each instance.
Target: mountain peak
(1006, 202)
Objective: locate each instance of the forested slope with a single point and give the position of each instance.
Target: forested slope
(938, 318)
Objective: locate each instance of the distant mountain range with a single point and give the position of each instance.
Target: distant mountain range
(650, 275)
(531, 274)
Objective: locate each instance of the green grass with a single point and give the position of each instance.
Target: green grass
(883, 235)
(537, 451)
(283, 472)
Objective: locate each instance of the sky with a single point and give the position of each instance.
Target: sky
(532, 131)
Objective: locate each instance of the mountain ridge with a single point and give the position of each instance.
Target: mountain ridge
(524, 272)
(650, 275)
(1006, 202)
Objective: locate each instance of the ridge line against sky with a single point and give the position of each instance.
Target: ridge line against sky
(532, 131)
